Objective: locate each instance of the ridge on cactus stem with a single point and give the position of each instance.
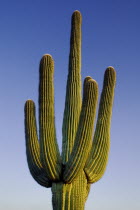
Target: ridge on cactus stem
(85, 150)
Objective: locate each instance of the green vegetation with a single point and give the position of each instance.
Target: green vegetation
(84, 156)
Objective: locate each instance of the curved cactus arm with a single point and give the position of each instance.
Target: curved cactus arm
(83, 139)
(32, 146)
(49, 151)
(97, 160)
(73, 90)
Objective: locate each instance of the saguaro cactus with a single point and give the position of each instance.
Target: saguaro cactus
(84, 155)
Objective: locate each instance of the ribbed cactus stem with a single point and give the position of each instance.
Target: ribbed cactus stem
(32, 146)
(83, 138)
(73, 90)
(61, 196)
(98, 158)
(50, 156)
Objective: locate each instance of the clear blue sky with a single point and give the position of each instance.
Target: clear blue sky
(110, 36)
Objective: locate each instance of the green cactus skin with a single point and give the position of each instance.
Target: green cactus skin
(84, 151)
(73, 92)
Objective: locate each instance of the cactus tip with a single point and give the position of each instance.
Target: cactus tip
(47, 55)
(29, 101)
(89, 79)
(93, 81)
(110, 68)
(77, 11)
(76, 14)
(47, 58)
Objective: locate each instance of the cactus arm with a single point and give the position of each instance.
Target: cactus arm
(97, 160)
(73, 90)
(83, 139)
(32, 146)
(50, 156)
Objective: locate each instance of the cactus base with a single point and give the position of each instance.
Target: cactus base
(70, 196)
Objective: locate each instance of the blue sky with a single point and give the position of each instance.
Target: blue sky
(110, 36)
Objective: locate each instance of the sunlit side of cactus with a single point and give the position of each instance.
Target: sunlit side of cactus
(84, 151)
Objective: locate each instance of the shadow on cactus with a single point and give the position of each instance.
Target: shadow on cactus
(84, 154)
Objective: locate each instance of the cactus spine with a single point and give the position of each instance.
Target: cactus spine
(84, 155)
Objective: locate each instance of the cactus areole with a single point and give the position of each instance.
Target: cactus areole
(84, 151)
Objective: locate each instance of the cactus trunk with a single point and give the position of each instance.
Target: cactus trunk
(70, 196)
